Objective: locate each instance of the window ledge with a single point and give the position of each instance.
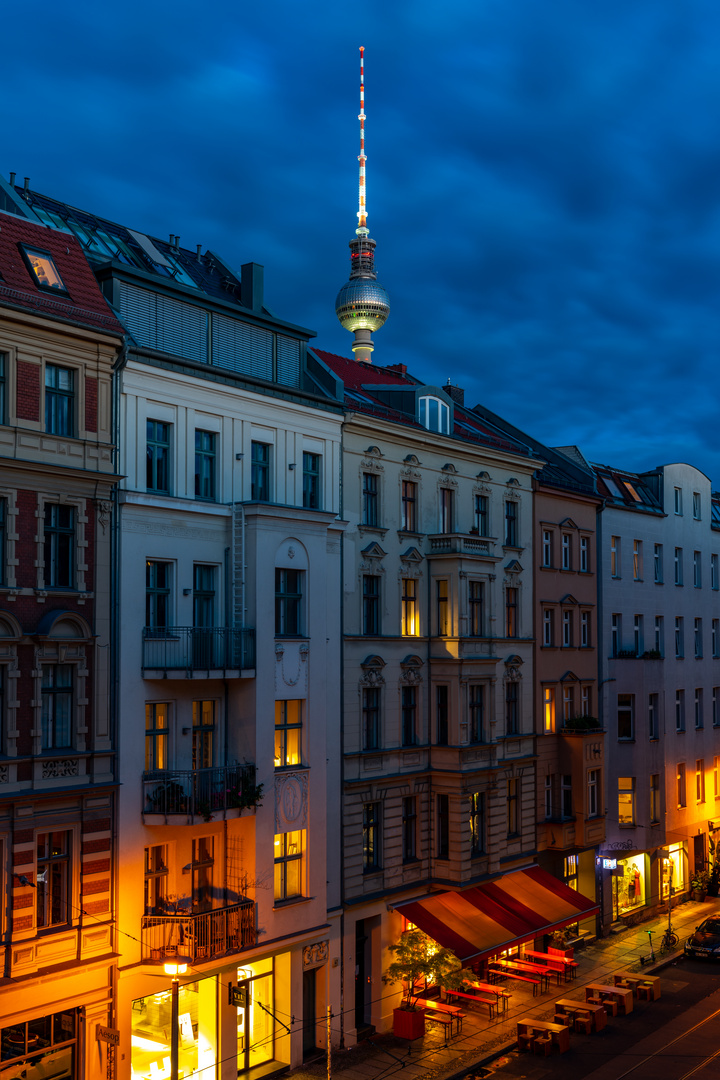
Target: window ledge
(379, 529)
(625, 739)
(402, 533)
(291, 901)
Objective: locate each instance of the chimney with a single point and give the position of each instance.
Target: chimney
(12, 179)
(199, 251)
(456, 393)
(251, 286)
(27, 184)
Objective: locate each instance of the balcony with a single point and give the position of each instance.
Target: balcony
(198, 651)
(460, 544)
(187, 795)
(199, 937)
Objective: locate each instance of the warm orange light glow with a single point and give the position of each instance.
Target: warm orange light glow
(179, 967)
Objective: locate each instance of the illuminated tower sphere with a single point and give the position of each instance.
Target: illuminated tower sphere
(362, 304)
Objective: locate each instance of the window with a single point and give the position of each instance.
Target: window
(566, 551)
(547, 548)
(59, 400)
(616, 634)
(511, 523)
(53, 882)
(653, 700)
(512, 719)
(593, 790)
(511, 604)
(679, 710)
(409, 506)
(371, 605)
(409, 828)
(700, 780)
(678, 500)
(698, 639)
(614, 556)
(371, 717)
(548, 627)
(446, 510)
(584, 555)
(654, 798)
(476, 598)
(56, 706)
(716, 706)
(681, 786)
(678, 566)
(442, 715)
(156, 879)
(434, 415)
(410, 619)
(156, 736)
(157, 449)
(3, 389)
(586, 701)
(637, 560)
(477, 713)
(441, 608)
(626, 800)
(260, 472)
(311, 481)
(567, 629)
(43, 269)
(477, 824)
(288, 602)
(408, 701)
(203, 734)
(699, 716)
(482, 515)
(205, 442)
(696, 505)
(566, 796)
(638, 635)
(658, 563)
(585, 629)
(549, 709)
(157, 595)
(369, 499)
(626, 716)
(714, 572)
(659, 636)
(679, 637)
(548, 792)
(3, 540)
(371, 837)
(288, 733)
(59, 546)
(289, 849)
(443, 826)
(568, 703)
(697, 574)
(716, 777)
(513, 809)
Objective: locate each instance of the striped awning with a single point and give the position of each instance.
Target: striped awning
(500, 914)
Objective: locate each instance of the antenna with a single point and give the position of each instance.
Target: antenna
(362, 229)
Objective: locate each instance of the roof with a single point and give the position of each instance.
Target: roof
(84, 305)
(632, 491)
(499, 914)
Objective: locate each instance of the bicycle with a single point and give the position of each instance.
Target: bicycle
(669, 940)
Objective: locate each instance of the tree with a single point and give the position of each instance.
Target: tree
(420, 960)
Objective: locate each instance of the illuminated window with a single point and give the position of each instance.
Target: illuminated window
(53, 880)
(43, 269)
(511, 613)
(654, 798)
(700, 780)
(477, 824)
(156, 736)
(410, 620)
(549, 709)
(615, 556)
(626, 800)
(288, 733)
(434, 415)
(289, 850)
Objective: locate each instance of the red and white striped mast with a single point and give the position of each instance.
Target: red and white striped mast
(362, 206)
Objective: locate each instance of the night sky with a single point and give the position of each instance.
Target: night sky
(543, 182)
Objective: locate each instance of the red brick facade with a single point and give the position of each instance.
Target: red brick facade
(28, 391)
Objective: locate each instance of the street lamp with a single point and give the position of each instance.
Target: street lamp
(175, 967)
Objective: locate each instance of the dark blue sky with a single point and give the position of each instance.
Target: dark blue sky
(543, 182)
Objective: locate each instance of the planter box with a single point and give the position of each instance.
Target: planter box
(409, 1023)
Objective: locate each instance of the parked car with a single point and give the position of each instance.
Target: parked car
(705, 942)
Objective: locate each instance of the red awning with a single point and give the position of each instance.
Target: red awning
(488, 918)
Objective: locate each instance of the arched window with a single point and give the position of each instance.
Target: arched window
(435, 415)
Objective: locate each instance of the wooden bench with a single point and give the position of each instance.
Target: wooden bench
(514, 975)
(476, 999)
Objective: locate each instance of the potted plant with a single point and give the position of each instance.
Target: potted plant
(420, 961)
(699, 885)
(557, 943)
(713, 887)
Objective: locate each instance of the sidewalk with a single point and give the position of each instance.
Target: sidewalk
(481, 1040)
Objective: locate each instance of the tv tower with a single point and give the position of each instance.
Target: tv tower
(362, 304)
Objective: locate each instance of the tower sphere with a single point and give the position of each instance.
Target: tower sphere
(362, 304)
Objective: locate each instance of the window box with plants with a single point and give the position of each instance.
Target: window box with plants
(419, 963)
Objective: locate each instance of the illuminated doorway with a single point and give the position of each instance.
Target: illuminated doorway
(255, 1022)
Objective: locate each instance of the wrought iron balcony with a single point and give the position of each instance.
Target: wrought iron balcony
(198, 648)
(199, 791)
(199, 937)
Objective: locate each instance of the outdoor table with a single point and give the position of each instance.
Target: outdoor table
(573, 1008)
(503, 996)
(555, 963)
(647, 986)
(621, 996)
(521, 967)
(455, 1013)
(529, 1027)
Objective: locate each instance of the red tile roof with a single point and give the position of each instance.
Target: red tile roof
(85, 305)
(356, 375)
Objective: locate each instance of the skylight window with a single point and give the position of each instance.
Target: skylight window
(612, 487)
(632, 491)
(42, 267)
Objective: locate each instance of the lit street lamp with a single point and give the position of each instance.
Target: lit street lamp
(177, 967)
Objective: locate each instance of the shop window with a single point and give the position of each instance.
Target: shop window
(255, 1021)
(157, 446)
(408, 703)
(410, 615)
(289, 864)
(442, 710)
(371, 837)
(630, 886)
(156, 879)
(654, 798)
(288, 733)
(570, 871)
(409, 828)
(673, 871)
(203, 734)
(151, 1027)
(626, 800)
(477, 824)
(156, 735)
(54, 879)
(45, 1046)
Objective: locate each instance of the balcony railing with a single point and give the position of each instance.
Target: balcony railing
(198, 648)
(461, 544)
(199, 791)
(199, 937)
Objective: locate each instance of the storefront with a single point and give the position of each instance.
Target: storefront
(673, 871)
(196, 1035)
(631, 881)
(255, 1021)
(40, 1048)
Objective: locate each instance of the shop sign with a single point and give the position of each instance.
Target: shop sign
(607, 864)
(237, 996)
(108, 1035)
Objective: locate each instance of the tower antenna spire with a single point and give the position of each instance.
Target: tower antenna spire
(362, 304)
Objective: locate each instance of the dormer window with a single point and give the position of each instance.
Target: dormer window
(42, 267)
(435, 415)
